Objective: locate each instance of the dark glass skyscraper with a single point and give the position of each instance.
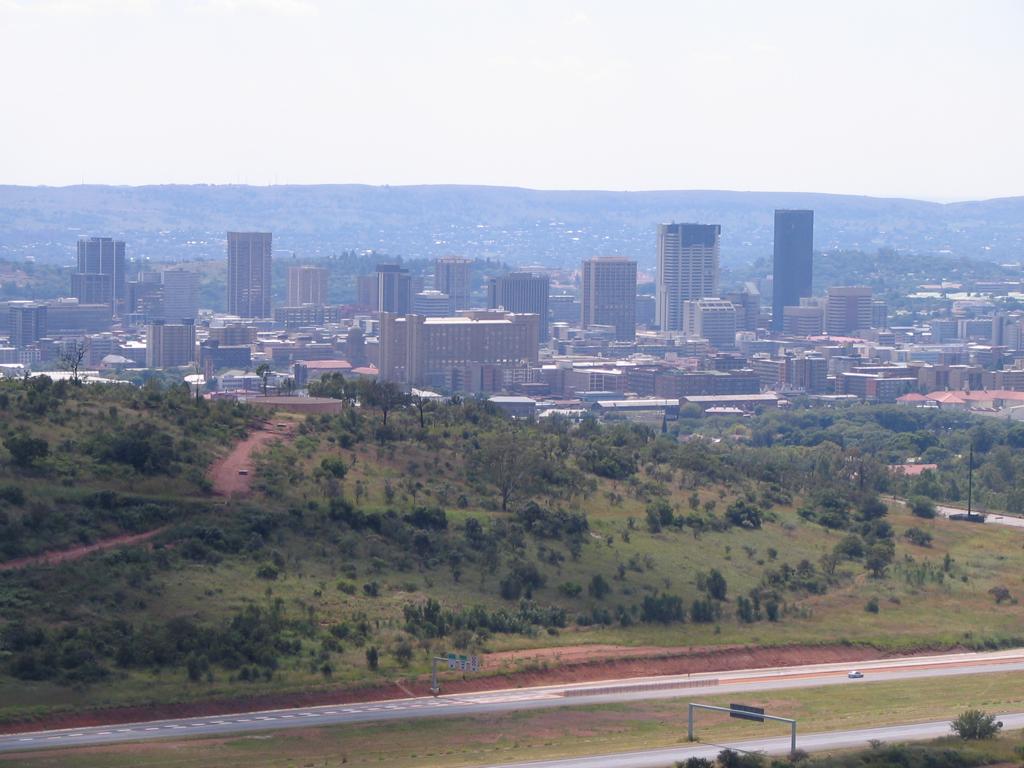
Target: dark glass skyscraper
(249, 272)
(793, 263)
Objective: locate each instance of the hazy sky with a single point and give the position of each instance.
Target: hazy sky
(917, 98)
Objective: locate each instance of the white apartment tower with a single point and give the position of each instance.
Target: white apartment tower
(687, 269)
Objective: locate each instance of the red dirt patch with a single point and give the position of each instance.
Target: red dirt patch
(223, 473)
(77, 553)
(658, 661)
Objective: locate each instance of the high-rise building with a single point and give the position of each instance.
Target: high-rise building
(712, 319)
(748, 306)
(521, 292)
(100, 277)
(467, 352)
(793, 262)
(180, 289)
(307, 285)
(249, 276)
(169, 345)
(431, 304)
(27, 322)
(609, 295)
(880, 314)
(452, 276)
(366, 291)
(848, 309)
(687, 269)
(394, 289)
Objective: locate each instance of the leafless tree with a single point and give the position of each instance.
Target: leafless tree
(71, 360)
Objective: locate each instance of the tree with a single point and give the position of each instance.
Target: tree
(25, 450)
(421, 403)
(715, 584)
(975, 724)
(744, 515)
(71, 360)
(508, 459)
(877, 559)
(372, 657)
(385, 396)
(263, 371)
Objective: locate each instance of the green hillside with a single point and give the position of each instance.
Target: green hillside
(367, 546)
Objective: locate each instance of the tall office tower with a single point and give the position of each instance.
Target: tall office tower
(847, 309)
(180, 295)
(307, 285)
(451, 276)
(366, 291)
(27, 322)
(711, 319)
(793, 262)
(394, 289)
(521, 292)
(169, 345)
(249, 281)
(880, 314)
(609, 295)
(100, 277)
(687, 269)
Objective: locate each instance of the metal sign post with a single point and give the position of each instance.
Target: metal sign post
(743, 712)
(454, 661)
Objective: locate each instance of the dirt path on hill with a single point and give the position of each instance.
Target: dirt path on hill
(549, 666)
(77, 553)
(224, 473)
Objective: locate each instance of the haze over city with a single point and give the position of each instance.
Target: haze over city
(913, 98)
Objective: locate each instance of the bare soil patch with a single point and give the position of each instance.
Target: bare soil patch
(224, 473)
(77, 553)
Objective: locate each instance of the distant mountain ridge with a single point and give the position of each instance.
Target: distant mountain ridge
(517, 225)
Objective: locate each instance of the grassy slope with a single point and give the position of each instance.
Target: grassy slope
(955, 611)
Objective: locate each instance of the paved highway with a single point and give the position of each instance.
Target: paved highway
(605, 692)
(990, 517)
(814, 742)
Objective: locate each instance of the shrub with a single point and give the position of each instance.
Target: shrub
(871, 606)
(372, 657)
(663, 609)
(267, 571)
(570, 589)
(918, 537)
(12, 494)
(922, 506)
(598, 587)
(1001, 594)
(975, 724)
(26, 450)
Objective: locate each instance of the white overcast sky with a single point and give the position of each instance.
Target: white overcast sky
(919, 98)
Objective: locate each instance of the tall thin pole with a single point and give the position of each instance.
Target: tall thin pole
(970, 480)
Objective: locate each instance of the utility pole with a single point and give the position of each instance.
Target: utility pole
(970, 480)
